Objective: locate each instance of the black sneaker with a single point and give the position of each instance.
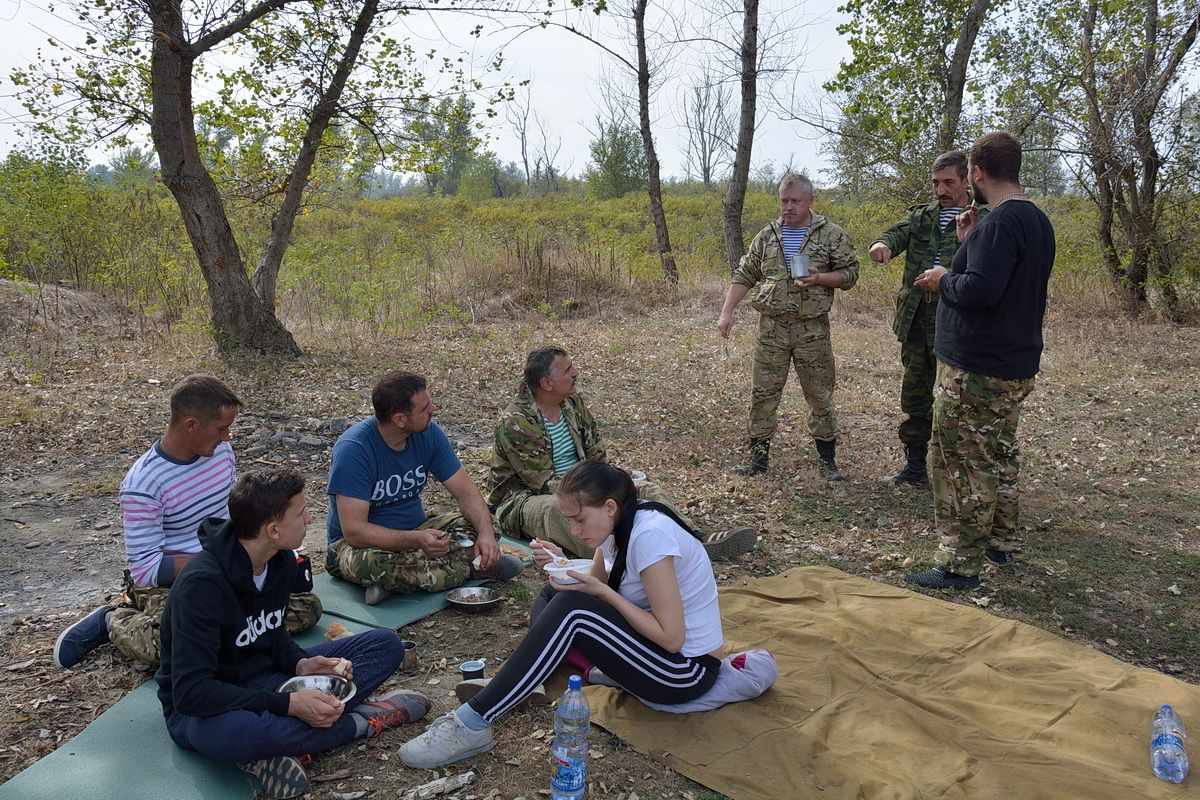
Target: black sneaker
(281, 777)
(82, 638)
(1000, 558)
(938, 578)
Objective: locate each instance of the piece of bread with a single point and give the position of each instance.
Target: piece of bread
(342, 667)
(336, 631)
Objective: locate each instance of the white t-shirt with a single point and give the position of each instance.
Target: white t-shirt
(260, 580)
(655, 536)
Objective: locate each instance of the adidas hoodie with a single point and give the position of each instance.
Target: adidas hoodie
(218, 631)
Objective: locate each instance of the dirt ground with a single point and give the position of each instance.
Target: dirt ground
(1111, 499)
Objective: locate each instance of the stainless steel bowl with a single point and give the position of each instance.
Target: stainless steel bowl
(333, 685)
(473, 598)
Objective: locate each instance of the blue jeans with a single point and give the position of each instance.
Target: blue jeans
(249, 736)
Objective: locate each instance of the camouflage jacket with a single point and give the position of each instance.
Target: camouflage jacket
(918, 237)
(522, 465)
(828, 248)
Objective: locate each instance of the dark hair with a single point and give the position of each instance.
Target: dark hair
(394, 392)
(591, 483)
(261, 497)
(540, 364)
(202, 396)
(999, 155)
(952, 158)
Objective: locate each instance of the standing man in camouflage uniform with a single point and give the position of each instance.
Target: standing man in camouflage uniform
(927, 238)
(169, 491)
(989, 348)
(545, 431)
(379, 535)
(799, 260)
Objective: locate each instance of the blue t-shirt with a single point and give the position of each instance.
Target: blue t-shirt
(364, 467)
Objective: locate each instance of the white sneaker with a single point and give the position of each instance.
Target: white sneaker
(445, 741)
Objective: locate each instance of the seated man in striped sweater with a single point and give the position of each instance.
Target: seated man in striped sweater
(545, 431)
(182, 480)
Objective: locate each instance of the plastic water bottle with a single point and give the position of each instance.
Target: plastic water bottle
(1167, 756)
(568, 754)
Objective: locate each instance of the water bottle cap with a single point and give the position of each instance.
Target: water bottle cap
(575, 683)
(1165, 707)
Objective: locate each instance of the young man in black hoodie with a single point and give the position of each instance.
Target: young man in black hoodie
(225, 650)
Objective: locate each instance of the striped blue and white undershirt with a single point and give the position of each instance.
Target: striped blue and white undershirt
(793, 240)
(562, 446)
(945, 217)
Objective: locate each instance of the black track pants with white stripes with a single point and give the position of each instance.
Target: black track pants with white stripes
(599, 632)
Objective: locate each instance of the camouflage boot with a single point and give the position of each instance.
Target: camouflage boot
(756, 463)
(914, 471)
(828, 464)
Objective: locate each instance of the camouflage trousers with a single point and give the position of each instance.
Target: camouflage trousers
(133, 626)
(542, 519)
(974, 461)
(408, 570)
(920, 372)
(783, 344)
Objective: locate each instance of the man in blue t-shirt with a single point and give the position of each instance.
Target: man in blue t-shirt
(379, 535)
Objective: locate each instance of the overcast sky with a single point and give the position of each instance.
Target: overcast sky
(563, 71)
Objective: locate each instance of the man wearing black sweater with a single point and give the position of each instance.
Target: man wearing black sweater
(989, 348)
(225, 650)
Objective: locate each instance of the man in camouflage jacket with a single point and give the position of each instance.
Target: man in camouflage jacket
(793, 297)
(524, 473)
(927, 238)
(522, 465)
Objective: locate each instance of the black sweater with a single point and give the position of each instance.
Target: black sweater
(989, 320)
(219, 631)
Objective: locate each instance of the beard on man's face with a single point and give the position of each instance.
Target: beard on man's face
(980, 197)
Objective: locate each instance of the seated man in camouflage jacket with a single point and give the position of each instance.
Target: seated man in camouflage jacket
(545, 431)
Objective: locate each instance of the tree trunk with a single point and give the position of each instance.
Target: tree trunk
(323, 111)
(735, 197)
(1165, 259)
(956, 75)
(662, 239)
(239, 320)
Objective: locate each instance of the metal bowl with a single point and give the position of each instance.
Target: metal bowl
(473, 598)
(335, 686)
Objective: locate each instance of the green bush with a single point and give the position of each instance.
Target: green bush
(386, 266)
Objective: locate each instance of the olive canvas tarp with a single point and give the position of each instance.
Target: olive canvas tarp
(886, 693)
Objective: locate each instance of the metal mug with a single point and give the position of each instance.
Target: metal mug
(410, 655)
(799, 266)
